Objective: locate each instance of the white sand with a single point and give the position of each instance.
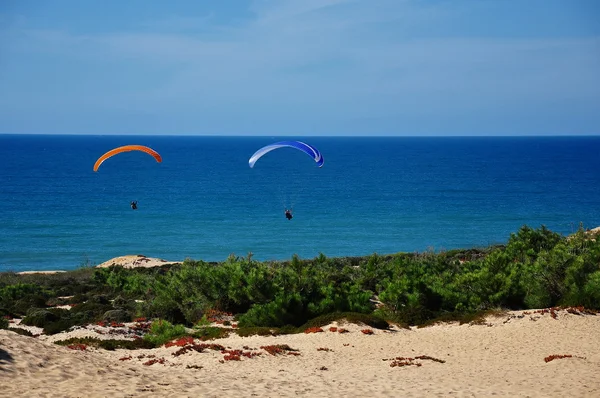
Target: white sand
(136, 261)
(39, 272)
(504, 357)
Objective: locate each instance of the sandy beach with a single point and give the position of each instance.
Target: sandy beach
(507, 355)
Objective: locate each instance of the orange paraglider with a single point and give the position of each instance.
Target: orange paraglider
(127, 148)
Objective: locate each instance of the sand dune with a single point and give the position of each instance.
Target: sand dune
(136, 261)
(503, 357)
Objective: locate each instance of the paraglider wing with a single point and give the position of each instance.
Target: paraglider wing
(126, 148)
(308, 149)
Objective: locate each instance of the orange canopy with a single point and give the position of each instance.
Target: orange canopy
(127, 148)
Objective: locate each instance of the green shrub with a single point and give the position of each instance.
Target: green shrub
(591, 291)
(23, 332)
(117, 316)
(59, 326)
(22, 306)
(285, 309)
(90, 311)
(162, 331)
(537, 268)
(110, 345)
(211, 332)
(40, 317)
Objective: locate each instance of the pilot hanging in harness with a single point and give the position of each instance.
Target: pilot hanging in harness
(288, 214)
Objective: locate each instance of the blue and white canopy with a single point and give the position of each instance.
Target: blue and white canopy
(308, 149)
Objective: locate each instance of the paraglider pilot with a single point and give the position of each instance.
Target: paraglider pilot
(288, 214)
(134, 205)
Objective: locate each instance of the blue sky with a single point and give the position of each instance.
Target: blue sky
(300, 67)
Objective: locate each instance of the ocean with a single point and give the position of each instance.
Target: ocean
(373, 195)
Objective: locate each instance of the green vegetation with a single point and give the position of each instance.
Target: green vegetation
(537, 268)
(162, 331)
(210, 333)
(110, 345)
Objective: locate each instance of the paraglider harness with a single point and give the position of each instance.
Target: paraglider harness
(288, 214)
(134, 205)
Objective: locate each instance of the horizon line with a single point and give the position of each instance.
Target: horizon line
(302, 135)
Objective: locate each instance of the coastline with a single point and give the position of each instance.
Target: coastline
(74, 327)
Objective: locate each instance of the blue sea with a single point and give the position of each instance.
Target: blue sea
(373, 195)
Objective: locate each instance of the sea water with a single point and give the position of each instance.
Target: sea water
(373, 195)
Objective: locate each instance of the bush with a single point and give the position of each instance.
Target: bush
(211, 332)
(89, 312)
(162, 331)
(110, 345)
(591, 291)
(39, 318)
(117, 316)
(59, 326)
(537, 268)
(22, 332)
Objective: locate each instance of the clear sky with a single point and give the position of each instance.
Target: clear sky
(300, 67)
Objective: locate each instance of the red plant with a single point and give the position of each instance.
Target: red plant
(367, 331)
(251, 354)
(141, 326)
(430, 358)
(217, 316)
(180, 342)
(279, 349)
(185, 349)
(333, 329)
(141, 319)
(553, 357)
(153, 361)
(342, 330)
(114, 324)
(213, 346)
(125, 358)
(313, 330)
(405, 361)
(180, 351)
(324, 349)
(78, 347)
(236, 355)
